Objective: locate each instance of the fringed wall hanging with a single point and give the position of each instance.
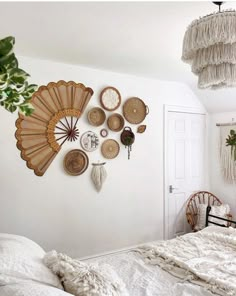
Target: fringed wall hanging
(57, 109)
(98, 175)
(227, 150)
(209, 45)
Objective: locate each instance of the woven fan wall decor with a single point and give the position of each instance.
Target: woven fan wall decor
(57, 109)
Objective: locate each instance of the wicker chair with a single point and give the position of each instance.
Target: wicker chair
(193, 202)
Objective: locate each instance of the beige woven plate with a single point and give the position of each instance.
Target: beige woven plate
(110, 148)
(115, 122)
(76, 162)
(135, 110)
(96, 116)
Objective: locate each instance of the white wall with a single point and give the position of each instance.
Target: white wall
(225, 191)
(66, 213)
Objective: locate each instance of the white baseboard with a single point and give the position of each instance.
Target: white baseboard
(116, 251)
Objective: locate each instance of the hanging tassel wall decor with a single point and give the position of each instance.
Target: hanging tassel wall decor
(98, 175)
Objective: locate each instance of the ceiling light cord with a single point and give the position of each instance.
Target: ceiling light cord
(219, 3)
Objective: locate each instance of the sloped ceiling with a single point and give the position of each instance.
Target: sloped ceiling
(141, 38)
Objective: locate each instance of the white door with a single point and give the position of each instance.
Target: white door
(185, 166)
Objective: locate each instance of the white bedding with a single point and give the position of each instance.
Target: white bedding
(21, 259)
(207, 258)
(143, 279)
(200, 261)
(26, 288)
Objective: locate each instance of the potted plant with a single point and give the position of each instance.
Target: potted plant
(231, 141)
(15, 91)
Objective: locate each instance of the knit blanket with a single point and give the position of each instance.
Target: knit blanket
(206, 258)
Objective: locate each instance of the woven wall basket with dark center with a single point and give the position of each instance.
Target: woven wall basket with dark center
(76, 162)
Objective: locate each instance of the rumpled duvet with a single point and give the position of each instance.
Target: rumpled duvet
(206, 258)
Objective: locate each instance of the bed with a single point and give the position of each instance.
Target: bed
(201, 263)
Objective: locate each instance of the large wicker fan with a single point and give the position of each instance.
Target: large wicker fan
(57, 108)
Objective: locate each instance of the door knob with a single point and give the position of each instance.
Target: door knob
(171, 188)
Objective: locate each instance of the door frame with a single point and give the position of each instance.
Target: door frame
(181, 109)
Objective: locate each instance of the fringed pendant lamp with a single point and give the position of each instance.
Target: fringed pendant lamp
(210, 47)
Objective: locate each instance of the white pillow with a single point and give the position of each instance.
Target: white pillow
(220, 211)
(85, 279)
(21, 259)
(201, 217)
(26, 288)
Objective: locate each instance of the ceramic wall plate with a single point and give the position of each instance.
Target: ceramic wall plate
(110, 98)
(115, 122)
(89, 141)
(76, 162)
(110, 148)
(135, 110)
(96, 116)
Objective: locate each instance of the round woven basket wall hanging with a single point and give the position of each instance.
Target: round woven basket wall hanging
(110, 148)
(76, 162)
(96, 116)
(115, 122)
(135, 110)
(110, 98)
(57, 109)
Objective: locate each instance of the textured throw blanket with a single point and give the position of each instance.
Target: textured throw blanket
(207, 258)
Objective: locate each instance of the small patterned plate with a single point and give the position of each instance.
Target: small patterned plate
(89, 141)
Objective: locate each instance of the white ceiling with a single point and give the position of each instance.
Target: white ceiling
(141, 38)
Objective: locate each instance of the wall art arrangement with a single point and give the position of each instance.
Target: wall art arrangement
(57, 109)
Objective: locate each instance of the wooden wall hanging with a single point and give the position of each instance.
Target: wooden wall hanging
(57, 109)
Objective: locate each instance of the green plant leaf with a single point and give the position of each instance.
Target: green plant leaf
(3, 81)
(9, 61)
(26, 109)
(17, 72)
(6, 45)
(29, 90)
(14, 89)
(3, 95)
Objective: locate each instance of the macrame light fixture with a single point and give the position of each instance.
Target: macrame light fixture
(210, 47)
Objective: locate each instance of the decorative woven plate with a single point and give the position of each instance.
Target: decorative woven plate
(115, 122)
(135, 110)
(96, 116)
(89, 141)
(110, 98)
(76, 162)
(110, 148)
